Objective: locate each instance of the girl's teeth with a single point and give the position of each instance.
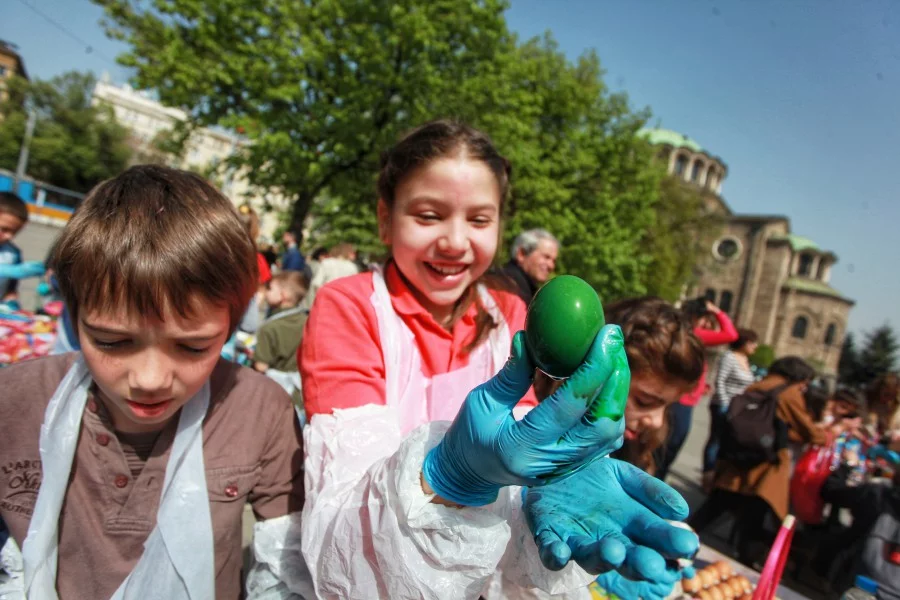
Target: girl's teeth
(447, 270)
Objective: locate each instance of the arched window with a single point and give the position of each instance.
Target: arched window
(830, 334)
(710, 295)
(799, 329)
(725, 301)
(680, 164)
(695, 171)
(805, 265)
(711, 179)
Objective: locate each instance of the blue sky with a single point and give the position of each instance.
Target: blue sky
(801, 99)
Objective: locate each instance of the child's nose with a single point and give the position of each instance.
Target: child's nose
(151, 373)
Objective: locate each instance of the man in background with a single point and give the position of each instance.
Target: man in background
(532, 261)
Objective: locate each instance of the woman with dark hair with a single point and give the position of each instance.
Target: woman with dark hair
(701, 314)
(764, 488)
(732, 378)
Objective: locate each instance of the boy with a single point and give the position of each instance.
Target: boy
(279, 336)
(13, 216)
(126, 467)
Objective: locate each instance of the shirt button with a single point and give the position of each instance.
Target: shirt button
(102, 439)
(231, 490)
(121, 481)
(92, 406)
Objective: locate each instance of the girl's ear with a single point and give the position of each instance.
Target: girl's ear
(384, 222)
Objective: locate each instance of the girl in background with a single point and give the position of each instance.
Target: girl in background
(732, 378)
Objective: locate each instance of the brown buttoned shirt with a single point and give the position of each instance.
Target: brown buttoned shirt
(252, 451)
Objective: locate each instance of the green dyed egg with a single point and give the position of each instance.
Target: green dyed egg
(563, 319)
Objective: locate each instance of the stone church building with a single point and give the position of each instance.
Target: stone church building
(764, 276)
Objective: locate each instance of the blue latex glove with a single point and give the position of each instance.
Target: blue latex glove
(613, 583)
(486, 448)
(611, 515)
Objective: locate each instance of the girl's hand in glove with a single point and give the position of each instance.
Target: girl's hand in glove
(486, 448)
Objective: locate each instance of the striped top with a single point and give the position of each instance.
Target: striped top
(732, 379)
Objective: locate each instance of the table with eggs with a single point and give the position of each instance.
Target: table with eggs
(719, 578)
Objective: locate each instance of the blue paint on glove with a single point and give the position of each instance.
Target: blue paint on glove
(611, 515)
(486, 448)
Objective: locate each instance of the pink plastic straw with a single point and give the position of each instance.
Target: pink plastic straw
(774, 567)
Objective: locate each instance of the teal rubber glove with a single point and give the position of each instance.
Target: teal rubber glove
(613, 583)
(611, 515)
(486, 448)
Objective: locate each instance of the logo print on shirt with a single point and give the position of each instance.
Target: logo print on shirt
(22, 480)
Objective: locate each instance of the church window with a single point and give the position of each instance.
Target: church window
(830, 334)
(710, 295)
(680, 164)
(726, 301)
(727, 248)
(799, 329)
(695, 171)
(805, 266)
(711, 179)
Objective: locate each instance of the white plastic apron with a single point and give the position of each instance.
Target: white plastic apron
(178, 560)
(419, 399)
(289, 380)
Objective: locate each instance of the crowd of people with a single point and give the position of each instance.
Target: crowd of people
(389, 429)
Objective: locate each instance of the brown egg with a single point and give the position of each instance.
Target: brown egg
(706, 578)
(704, 595)
(716, 592)
(727, 592)
(736, 586)
(724, 568)
(692, 585)
(745, 584)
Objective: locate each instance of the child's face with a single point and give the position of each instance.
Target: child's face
(842, 409)
(10, 225)
(443, 229)
(146, 369)
(274, 294)
(648, 397)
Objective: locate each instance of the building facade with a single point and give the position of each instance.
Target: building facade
(207, 148)
(11, 64)
(764, 276)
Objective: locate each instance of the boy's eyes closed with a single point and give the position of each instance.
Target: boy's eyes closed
(122, 344)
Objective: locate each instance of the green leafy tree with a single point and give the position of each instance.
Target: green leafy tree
(763, 357)
(682, 231)
(879, 355)
(849, 366)
(75, 145)
(321, 88)
(579, 170)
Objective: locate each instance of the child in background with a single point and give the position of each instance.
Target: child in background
(141, 451)
(279, 336)
(13, 216)
(666, 361)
